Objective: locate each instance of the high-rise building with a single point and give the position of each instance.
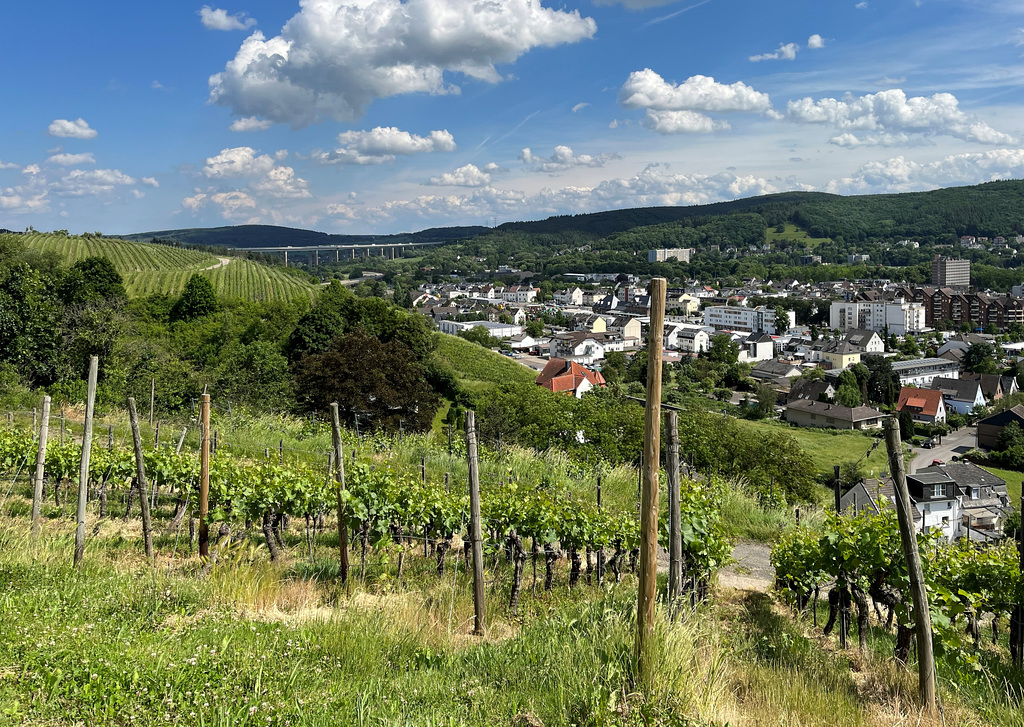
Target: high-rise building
(678, 253)
(951, 273)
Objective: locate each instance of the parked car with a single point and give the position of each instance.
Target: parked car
(928, 444)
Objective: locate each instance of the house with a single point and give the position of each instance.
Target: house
(991, 385)
(984, 500)
(691, 339)
(585, 348)
(522, 342)
(626, 326)
(520, 294)
(933, 497)
(865, 341)
(1009, 385)
(921, 372)
(805, 413)
(497, 330)
(560, 375)
(839, 355)
(588, 322)
(959, 395)
(925, 405)
(775, 369)
(869, 495)
(682, 305)
(757, 347)
(812, 390)
(569, 296)
(991, 427)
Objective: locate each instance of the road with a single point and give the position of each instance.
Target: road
(958, 443)
(534, 362)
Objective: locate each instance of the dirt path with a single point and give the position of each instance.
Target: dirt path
(223, 261)
(752, 570)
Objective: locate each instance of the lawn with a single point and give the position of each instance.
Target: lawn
(480, 368)
(794, 234)
(827, 448)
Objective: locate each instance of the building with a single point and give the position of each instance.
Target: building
(854, 259)
(983, 499)
(560, 375)
(756, 347)
(960, 395)
(806, 413)
(750, 320)
(810, 259)
(678, 253)
(865, 341)
(920, 372)
(925, 405)
(951, 273)
(812, 390)
(774, 369)
(991, 427)
(520, 294)
(569, 296)
(839, 355)
(497, 330)
(898, 317)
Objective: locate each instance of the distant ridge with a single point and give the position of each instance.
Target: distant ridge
(255, 236)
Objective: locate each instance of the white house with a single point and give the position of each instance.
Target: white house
(520, 294)
(960, 395)
(579, 346)
(686, 338)
(497, 330)
(741, 318)
(756, 347)
(569, 296)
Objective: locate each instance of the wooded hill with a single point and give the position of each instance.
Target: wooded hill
(249, 236)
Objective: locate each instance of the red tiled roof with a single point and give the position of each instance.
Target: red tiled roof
(926, 401)
(560, 375)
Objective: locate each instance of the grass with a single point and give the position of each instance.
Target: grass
(480, 368)
(147, 268)
(794, 234)
(1013, 482)
(827, 448)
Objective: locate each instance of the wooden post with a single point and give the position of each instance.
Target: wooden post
(675, 539)
(838, 489)
(280, 447)
(35, 419)
(922, 617)
(83, 471)
(475, 530)
(600, 551)
(152, 399)
(37, 489)
(156, 436)
(140, 479)
(110, 436)
(181, 441)
(339, 476)
(62, 419)
(204, 476)
(423, 469)
(649, 502)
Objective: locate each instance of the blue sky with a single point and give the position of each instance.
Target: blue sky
(378, 116)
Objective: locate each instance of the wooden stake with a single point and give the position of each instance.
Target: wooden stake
(156, 436)
(475, 530)
(181, 441)
(922, 617)
(675, 539)
(649, 502)
(140, 479)
(110, 436)
(339, 476)
(62, 418)
(37, 489)
(152, 399)
(83, 471)
(204, 476)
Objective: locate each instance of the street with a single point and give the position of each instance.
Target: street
(958, 443)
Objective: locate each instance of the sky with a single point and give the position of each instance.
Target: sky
(383, 116)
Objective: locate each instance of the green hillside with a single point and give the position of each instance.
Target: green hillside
(148, 268)
(480, 368)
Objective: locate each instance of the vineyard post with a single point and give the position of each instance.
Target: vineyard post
(339, 476)
(140, 478)
(37, 489)
(10, 418)
(110, 436)
(156, 436)
(83, 471)
(181, 441)
(649, 501)
(475, 530)
(35, 419)
(204, 476)
(152, 399)
(1018, 612)
(62, 418)
(837, 488)
(280, 448)
(675, 539)
(423, 469)
(922, 617)
(600, 551)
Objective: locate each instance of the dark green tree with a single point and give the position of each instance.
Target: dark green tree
(198, 299)
(90, 280)
(980, 358)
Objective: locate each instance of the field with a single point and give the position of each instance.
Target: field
(480, 368)
(148, 268)
(828, 448)
(794, 233)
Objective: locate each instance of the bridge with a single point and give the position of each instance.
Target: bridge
(314, 253)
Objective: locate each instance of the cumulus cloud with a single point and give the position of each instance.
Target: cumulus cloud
(468, 175)
(217, 19)
(785, 51)
(899, 174)
(281, 182)
(234, 205)
(95, 182)
(335, 57)
(77, 129)
(646, 89)
(564, 158)
(240, 161)
(681, 122)
(382, 144)
(150, 182)
(889, 113)
(250, 123)
(71, 160)
(9, 165)
(815, 42)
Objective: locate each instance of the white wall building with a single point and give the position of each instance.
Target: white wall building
(900, 317)
(519, 294)
(498, 330)
(741, 318)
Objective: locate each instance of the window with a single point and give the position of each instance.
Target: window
(975, 493)
(945, 521)
(938, 490)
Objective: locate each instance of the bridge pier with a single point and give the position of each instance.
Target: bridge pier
(286, 258)
(313, 258)
(337, 255)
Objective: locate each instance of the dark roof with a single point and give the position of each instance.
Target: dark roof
(809, 389)
(759, 338)
(859, 337)
(991, 384)
(959, 389)
(856, 414)
(967, 474)
(1001, 419)
(772, 368)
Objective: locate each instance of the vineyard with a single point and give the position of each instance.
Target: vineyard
(147, 268)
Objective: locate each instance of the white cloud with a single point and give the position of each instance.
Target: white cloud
(195, 202)
(647, 89)
(71, 160)
(681, 122)
(240, 161)
(150, 182)
(217, 19)
(580, 106)
(9, 165)
(77, 129)
(636, 4)
(281, 182)
(250, 123)
(785, 51)
(564, 158)
(95, 182)
(32, 169)
(335, 57)
(892, 113)
(468, 175)
(16, 201)
(815, 42)
(902, 175)
(138, 194)
(861, 6)
(382, 144)
(235, 205)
